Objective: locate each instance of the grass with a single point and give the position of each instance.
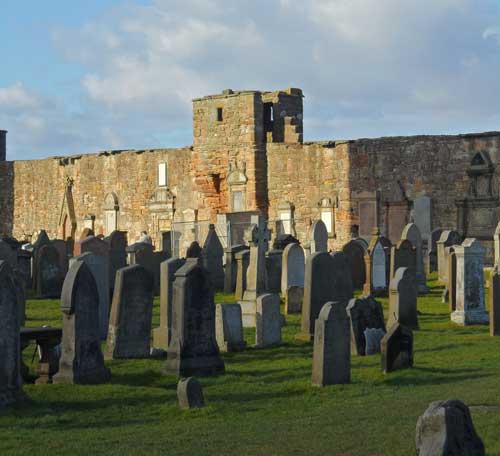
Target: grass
(264, 404)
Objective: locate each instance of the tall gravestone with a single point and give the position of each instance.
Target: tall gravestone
(231, 268)
(81, 359)
(242, 262)
(131, 314)
(412, 234)
(50, 276)
(452, 278)
(213, 258)
(422, 215)
(403, 299)
(396, 348)
(470, 287)
(117, 243)
(355, 253)
(41, 240)
(494, 300)
(268, 321)
(332, 353)
(11, 390)
(229, 328)
(364, 313)
(193, 347)
(162, 334)
(375, 267)
(318, 237)
(403, 255)
(293, 267)
(447, 239)
(257, 236)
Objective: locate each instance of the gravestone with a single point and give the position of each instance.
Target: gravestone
(257, 236)
(293, 267)
(62, 250)
(469, 285)
(293, 300)
(8, 254)
(327, 278)
(403, 255)
(20, 284)
(373, 336)
(446, 428)
(364, 313)
(242, 262)
(355, 254)
(229, 328)
(412, 234)
(162, 334)
(142, 253)
(375, 267)
(318, 237)
(403, 299)
(81, 359)
(190, 394)
(213, 258)
(362, 242)
(41, 240)
(332, 354)
(451, 287)
(117, 243)
(24, 259)
(99, 267)
(274, 260)
(194, 250)
(432, 262)
(422, 215)
(396, 348)
(50, 277)
(193, 347)
(447, 239)
(131, 314)
(11, 390)
(268, 321)
(494, 300)
(231, 268)
(282, 240)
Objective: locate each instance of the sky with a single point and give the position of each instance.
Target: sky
(89, 75)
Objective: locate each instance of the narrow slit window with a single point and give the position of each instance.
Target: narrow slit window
(219, 114)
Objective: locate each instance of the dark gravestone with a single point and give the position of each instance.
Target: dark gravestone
(131, 314)
(432, 262)
(212, 255)
(494, 299)
(62, 250)
(50, 277)
(193, 348)
(282, 240)
(190, 394)
(341, 277)
(403, 255)
(332, 355)
(242, 262)
(231, 268)
(162, 334)
(403, 299)
(8, 254)
(142, 253)
(24, 258)
(397, 349)
(452, 279)
(446, 428)
(81, 360)
(10, 347)
(41, 240)
(273, 270)
(20, 284)
(194, 250)
(355, 254)
(364, 313)
(117, 243)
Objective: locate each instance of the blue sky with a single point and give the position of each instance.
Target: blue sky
(83, 76)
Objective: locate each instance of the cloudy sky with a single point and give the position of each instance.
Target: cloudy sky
(87, 75)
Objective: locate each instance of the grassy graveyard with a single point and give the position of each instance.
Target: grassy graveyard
(264, 404)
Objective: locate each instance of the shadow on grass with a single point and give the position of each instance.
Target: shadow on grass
(443, 376)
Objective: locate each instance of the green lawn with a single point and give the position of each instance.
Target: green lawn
(264, 404)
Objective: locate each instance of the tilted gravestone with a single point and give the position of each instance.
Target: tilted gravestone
(494, 299)
(268, 321)
(318, 237)
(229, 328)
(190, 394)
(242, 262)
(293, 267)
(50, 277)
(131, 314)
(396, 348)
(412, 234)
(403, 299)
(213, 258)
(81, 359)
(193, 347)
(293, 300)
(403, 255)
(470, 308)
(162, 334)
(355, 254)
(364, 313)
(332, 354)
(447, 239)
(117, 243)
(11, 389)
(432, 261)
(446, 428)
(231, 268)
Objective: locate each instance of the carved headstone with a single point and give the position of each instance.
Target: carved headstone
(229, 328)
(193, 347)
(412, 234)
(11, 389)
(375, 267)
(396, 348)
(293, 267)
(364, 313)
(355, 254)
(447, 239)
(332, 354)
(470, 284)
(81, 359)
(268, 321)
(190, 393)
(293, 300)
(50, 277)
(131, 314)
(213, 255)
(242, 262)
(403, 299)
(162, 334)
(231, 268)
(318, 237)
(446, 428)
